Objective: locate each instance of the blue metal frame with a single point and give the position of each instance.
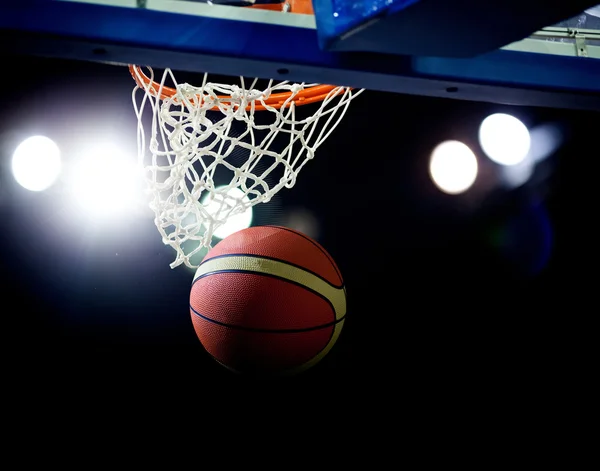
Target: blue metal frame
(123, 35)
(336, 18)
(469, 28)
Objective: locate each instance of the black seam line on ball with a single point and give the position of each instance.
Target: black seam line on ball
(281, 261)
(286, 280)
(270, 275)
(269, 331)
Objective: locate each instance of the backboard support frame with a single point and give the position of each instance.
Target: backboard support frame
(184, 42)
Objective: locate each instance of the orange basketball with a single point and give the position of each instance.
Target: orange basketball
(268, 300)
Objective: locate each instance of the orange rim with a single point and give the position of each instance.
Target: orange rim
(296, 6)
(307, 96)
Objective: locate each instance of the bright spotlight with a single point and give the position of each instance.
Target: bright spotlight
(219, 202)
(453, 167)
(504, 139)
(106, 183)
(36, 163)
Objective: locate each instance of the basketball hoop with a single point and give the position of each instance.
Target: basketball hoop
(207, 140)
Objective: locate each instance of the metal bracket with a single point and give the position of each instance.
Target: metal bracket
(580, 44)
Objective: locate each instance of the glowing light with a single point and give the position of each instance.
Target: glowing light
(594, 11)
(219, 204)
(504, 139)
(546, 139)
(517, 175)
(36, 163)
(453, 167)
(106, 184)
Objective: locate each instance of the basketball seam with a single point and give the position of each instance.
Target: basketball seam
(270, 275)
(300, 267)
(308, 239)
(267, 331)
(286, 280)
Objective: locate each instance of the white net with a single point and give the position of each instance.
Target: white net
(214, 150)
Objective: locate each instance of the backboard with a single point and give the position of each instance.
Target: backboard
(511, 52)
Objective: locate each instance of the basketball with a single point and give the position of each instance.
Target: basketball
(268, 300)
